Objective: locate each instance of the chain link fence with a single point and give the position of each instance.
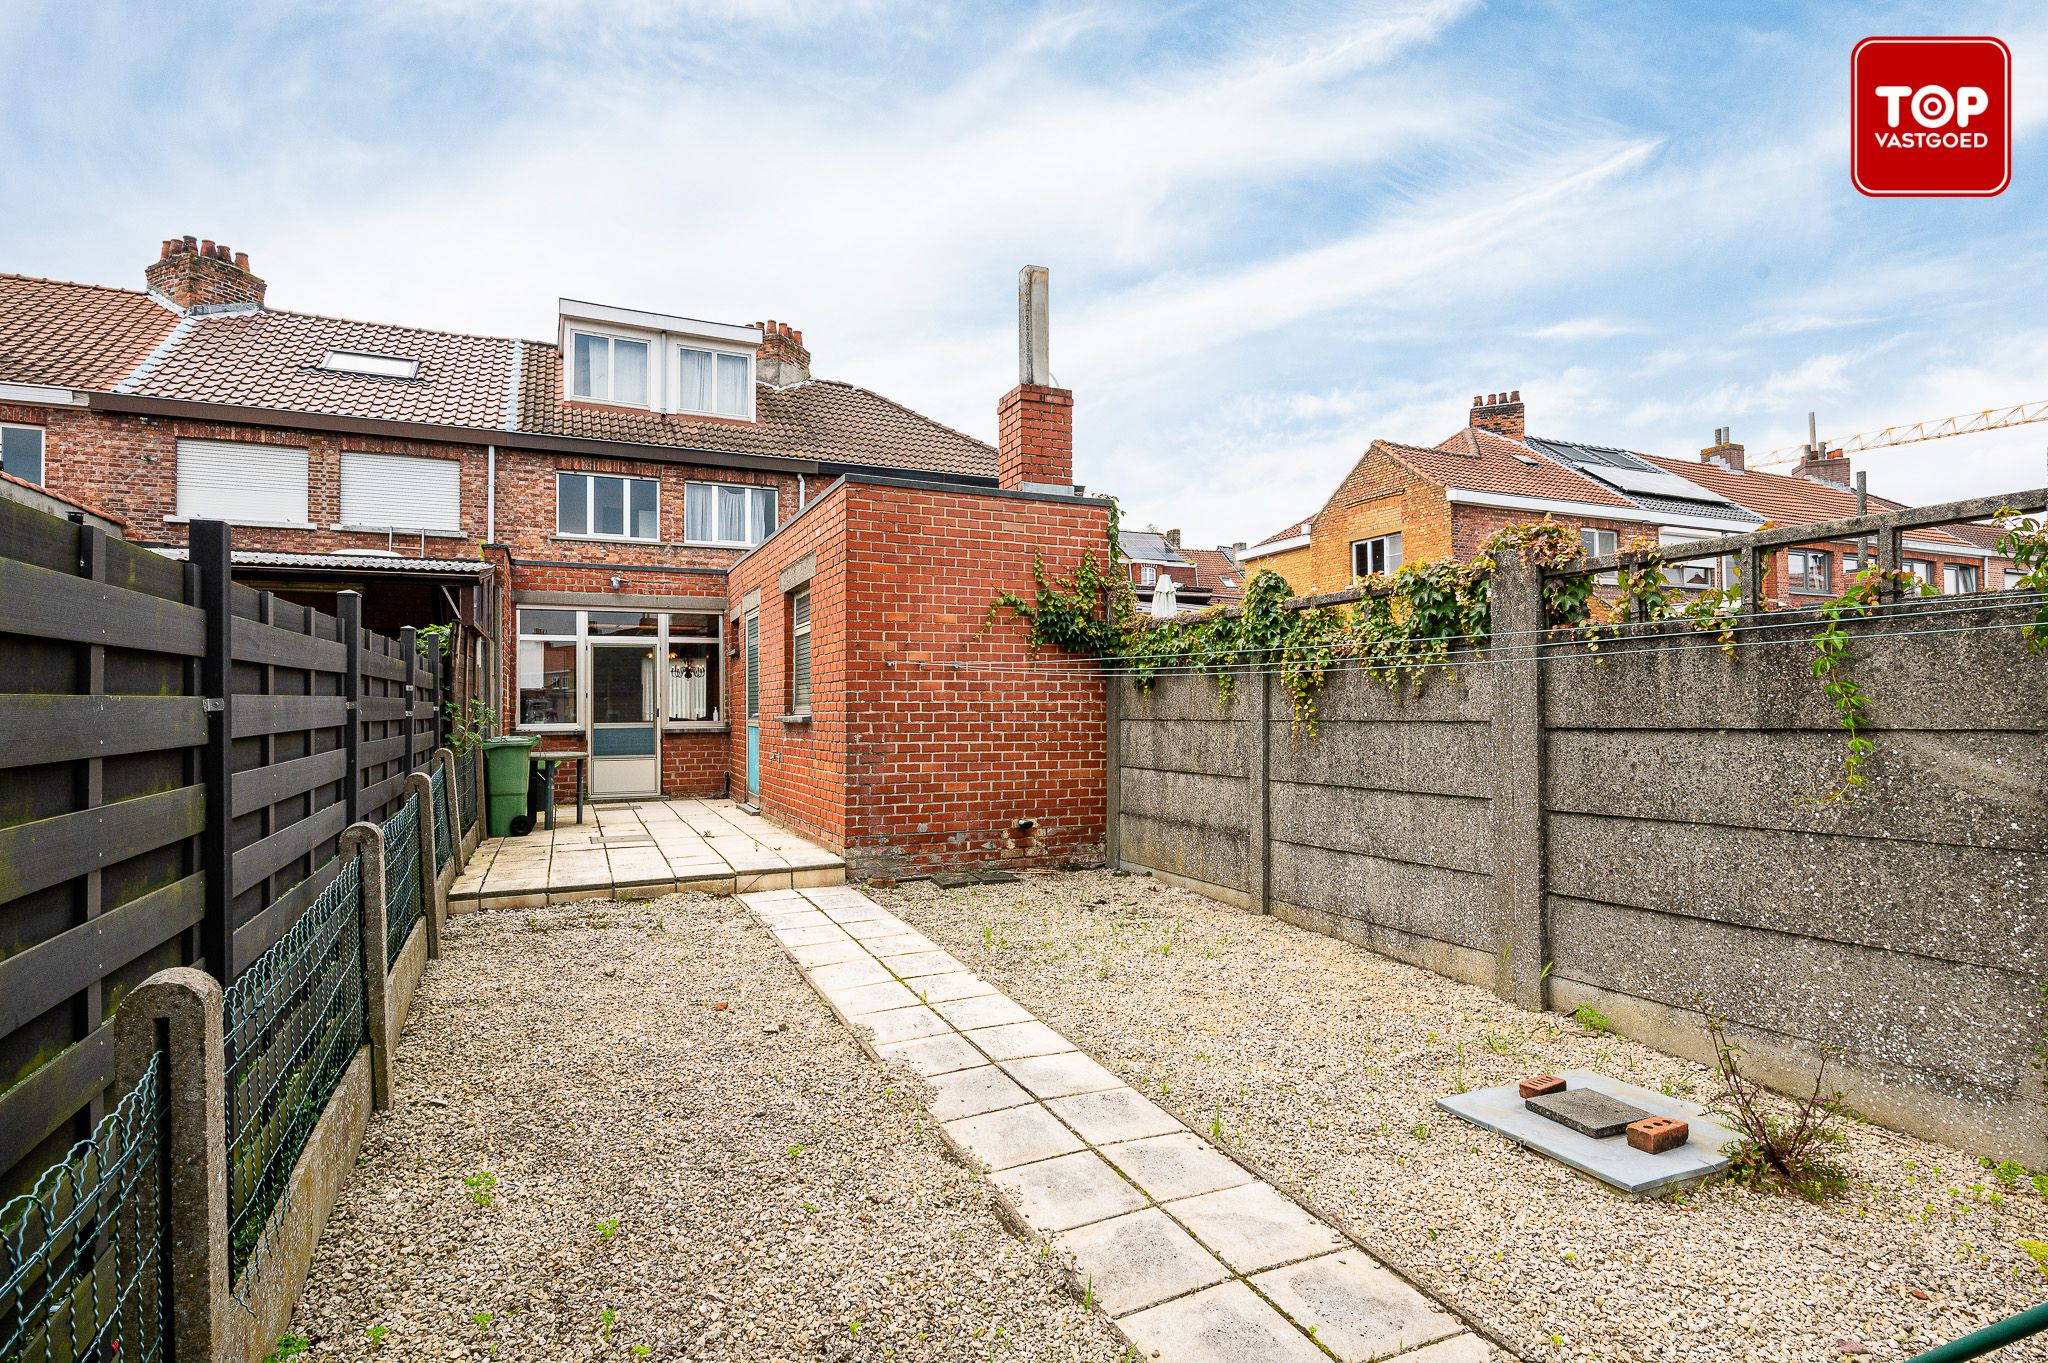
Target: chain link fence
(82, 1253)
(444, 823)
(404, 898)
(465, 787)
(292, 1023)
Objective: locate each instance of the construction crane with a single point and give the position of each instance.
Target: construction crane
(1969, 423)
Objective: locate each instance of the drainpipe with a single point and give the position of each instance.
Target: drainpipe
(799, 492)
(490, 494)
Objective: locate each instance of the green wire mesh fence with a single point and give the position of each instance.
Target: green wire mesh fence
(403, 901)
(293, 1021)
(465, 787)
(82, 1253)
(444, 844)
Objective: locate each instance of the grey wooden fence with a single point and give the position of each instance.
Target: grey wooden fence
(178, 757)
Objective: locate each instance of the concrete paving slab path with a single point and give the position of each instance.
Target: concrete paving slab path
(1194, 1258)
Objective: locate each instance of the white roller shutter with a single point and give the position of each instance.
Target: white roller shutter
(223, 480)
(400, 492)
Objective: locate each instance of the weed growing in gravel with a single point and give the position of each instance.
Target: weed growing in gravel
(853, 1329)
(481, 1186)
(1591, 1018)
(288, 1346)
(1459, 1079)
(796, 1148)
(375, 1334)
(604, 1324)
(483, 1321)
(1420, 1131)
(1216, 1125)
(607, 1228)
(1777, 1152)
(1500, 1045)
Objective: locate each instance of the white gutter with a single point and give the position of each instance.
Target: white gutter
(490, 494)
(41, 394)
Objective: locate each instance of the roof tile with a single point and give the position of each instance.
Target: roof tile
(75, 335)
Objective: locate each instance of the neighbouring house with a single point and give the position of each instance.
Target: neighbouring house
(1403, 503)
(882, 714)
(573, 505)
(1167, 578)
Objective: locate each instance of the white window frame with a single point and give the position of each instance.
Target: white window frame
(665, 635)
(673, 371)
(1948, 579)
(443, 467)
(370, 364)
(801, 706)
(716, 639)
(182, 515)
(1388, 552)
(760, 534)
(574, 641)
(651, 401)
(590, 508)
(1148, 573)
(42, 451)
(1922, 568)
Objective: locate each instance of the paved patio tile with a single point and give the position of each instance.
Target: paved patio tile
(933, 1054)
(855, 913)
(871, 998)
(784, 919)
(938, 989)
(824, 953)
(986, 1010)
(869, 929)
(1059, 1194)
(776, 899)
(1056, 1076)
(901, 944)
(1253, 1227)
(1117, 1114)
(847, 974)
(1465, 1348)
(1360, 1310)
(1013, 1136)
(1016, 1040)
(965, 1093)
(809, 937)
(904, 1024)
(922, 963)
(1181, 1164)
(1226, 1324)
(1138, 1260)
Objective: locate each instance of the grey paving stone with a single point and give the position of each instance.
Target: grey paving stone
(1465, 1348)
(784, 919)
(1013, 1136)
(1360, 1310)
(937, 989)
(1226, 1324)
(963, 1093)
(847, 974)
(904, 1024)
(933, 1054)
(1612, 1161)
(868, 929)
(923, 963)
(1112, 1115)
(1059, 1194)
(862, 912)
(870, 998)
(1016, 1040)
(1138, 1260)
(806, 937)
(901, 944)
(825, 953)
(1253, 1227)
(988, 1010)
(1056, 1076)
(1181, 1164)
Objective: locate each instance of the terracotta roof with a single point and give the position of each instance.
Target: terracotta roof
(1480, 461)
(75, 335)
(1215, 571)
(1787, 499)
(273, 360)
(1304, 526)
(821, 419)
(66, 500)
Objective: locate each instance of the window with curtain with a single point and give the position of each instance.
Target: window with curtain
(607, 506)
(693, 668)
(1959, 578)
(729, 514)
(800, 651)
(714, 382)
(608, 368)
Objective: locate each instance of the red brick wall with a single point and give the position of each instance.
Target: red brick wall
(932, 740)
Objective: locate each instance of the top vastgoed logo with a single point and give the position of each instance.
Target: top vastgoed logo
(1930, 117)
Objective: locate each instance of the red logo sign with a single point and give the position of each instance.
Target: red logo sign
(1930, 116)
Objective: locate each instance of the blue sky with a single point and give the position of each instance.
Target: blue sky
(1274, 232)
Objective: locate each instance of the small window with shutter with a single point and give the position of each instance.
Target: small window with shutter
(225, 480)
(400, 492)
(800, 651)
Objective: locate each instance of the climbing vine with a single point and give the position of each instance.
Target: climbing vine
(1866, 591)
(2025, 542)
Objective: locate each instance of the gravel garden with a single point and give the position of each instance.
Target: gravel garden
(1318, 1063)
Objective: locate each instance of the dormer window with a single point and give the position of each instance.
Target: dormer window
(608, 368)
(714, 382)
(375, 366)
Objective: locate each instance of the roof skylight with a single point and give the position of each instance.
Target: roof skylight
(376, 366)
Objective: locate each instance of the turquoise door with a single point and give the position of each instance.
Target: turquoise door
(753, 709)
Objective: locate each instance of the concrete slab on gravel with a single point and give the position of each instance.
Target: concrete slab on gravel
(923, 963)
(963, 1093)
(1180, 1164)
(1138, 1260)
(1112, 1115)
(1253, 1227)
(849, 974)
(871, 998)
(1073, 1190)
(933, 1054)
(988, 1010)
(1016, 1040)
(1226, 1324)
(1056, 1076)
(958, 984)
(903, 1024)
(1013, 1136)
(1611, 1159)
(1359, 1310)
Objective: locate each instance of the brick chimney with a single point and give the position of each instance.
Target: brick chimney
(1723, 451)
(1816, 462)
(782, 361)
(202, 274)
(1500, 413)
(1035, 421)
(1173, 538)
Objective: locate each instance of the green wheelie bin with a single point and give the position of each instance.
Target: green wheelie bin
(505, 775)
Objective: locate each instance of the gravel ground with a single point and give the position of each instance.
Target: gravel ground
(1320, 1062)
(693, 1160)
